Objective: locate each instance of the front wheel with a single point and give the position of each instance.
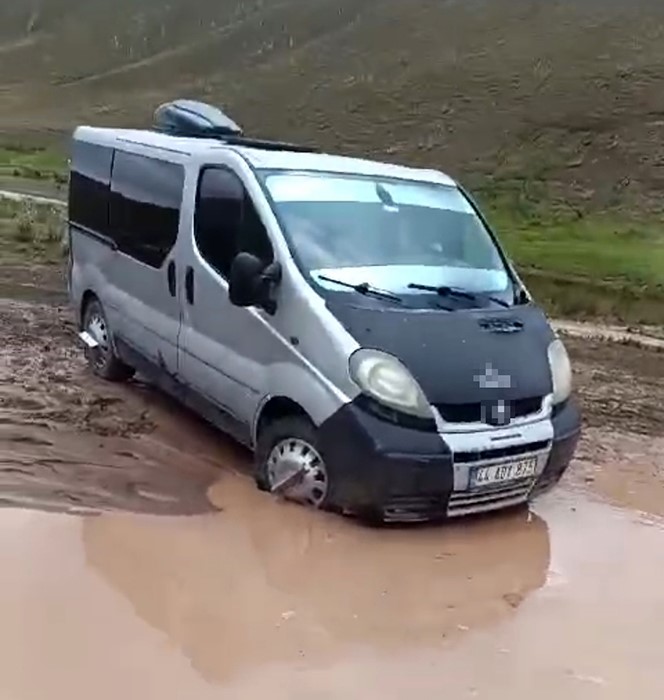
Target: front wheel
(102, 359)
(289, 463)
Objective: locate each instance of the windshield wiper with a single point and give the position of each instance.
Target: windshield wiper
(363, 288)
(444, 291)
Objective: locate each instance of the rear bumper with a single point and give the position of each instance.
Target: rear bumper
(402, 474)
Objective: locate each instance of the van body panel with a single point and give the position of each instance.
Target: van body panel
(91, 259)
(148, 313)
(314, 336)
(239, 358)
(448, 352)
(145, 314)
(170, 317)
(135, 295)
(135, 298)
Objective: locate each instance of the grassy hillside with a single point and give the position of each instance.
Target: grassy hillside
(566, 92)
(552, 110)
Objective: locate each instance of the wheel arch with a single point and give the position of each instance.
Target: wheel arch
(292, 389)
(276, 407)
(87, 296)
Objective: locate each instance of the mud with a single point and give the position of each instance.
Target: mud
(641, 336)
(67, 442)
(107, 589)
(38, 283)
(268, 600)
(620, 385)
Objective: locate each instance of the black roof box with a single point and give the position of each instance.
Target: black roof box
(194, 119)
(199, 120)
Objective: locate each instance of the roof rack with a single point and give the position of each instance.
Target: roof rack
(191, 119)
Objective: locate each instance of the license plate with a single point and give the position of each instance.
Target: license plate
(500, 473)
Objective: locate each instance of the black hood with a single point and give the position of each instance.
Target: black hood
(448, 352)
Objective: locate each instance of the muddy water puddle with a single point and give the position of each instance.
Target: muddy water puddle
(249, 597)
(139, 561)
(266, 599)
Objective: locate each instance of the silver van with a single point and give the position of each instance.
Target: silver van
(356, 324)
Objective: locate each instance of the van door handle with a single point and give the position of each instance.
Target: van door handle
(189, 285)
(170, 274)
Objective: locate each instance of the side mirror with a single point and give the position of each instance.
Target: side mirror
(251, 282)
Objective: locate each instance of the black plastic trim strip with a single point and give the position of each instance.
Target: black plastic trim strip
(90, 233)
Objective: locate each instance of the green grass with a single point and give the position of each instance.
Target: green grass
(33, 163)
(580, 264)
(30, 233)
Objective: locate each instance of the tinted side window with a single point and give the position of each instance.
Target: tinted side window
(89, 186)
(227, 222)
(146, 197)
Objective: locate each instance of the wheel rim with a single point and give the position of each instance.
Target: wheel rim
(96, 327)
(297, 471)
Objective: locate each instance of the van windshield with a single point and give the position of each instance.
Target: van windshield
(390, 234)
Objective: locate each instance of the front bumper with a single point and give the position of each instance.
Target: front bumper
(401, 474)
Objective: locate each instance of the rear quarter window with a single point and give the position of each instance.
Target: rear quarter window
(89, 186)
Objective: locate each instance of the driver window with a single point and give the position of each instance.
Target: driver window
(226, 221)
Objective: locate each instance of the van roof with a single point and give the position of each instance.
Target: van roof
(257, 157)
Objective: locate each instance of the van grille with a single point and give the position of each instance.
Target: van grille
(472, 412)
(501, 452)
(504, 496)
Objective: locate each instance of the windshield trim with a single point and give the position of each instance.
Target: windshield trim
(263, 173)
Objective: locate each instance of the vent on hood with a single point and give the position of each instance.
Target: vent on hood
(501, 325)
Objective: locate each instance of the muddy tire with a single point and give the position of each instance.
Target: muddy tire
(102, 360)
(289, 464)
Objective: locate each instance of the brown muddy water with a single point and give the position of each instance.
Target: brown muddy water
(138, 560)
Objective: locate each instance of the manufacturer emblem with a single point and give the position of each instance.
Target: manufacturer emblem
(496, 413)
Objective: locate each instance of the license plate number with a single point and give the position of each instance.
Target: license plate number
(500, 473)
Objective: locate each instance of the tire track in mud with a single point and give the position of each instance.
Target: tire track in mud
(67, 441)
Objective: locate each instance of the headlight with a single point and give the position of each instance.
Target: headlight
(561, 371)
(387, 381)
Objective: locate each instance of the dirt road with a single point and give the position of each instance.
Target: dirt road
(140, 562)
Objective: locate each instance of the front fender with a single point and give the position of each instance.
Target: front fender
(307, 387)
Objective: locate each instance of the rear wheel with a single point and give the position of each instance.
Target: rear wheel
(289, 463)
(102, 359)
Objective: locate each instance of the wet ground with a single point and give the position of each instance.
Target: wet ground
(140, 562)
